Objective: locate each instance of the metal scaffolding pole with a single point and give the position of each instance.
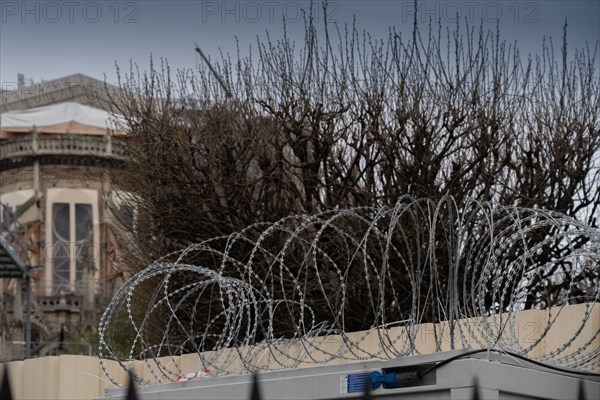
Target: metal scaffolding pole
(28, 299)
(28, 315)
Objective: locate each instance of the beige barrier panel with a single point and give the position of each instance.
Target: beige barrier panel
(323, 349)
(42, 378)
(192, 362)
(16, 377)
(166, 369)
(286, 353)
(78, 377)
(424, 338)
(501, 331)
(189, 363)
(530, 326)
(573, 328)
(115, 370)
(367, 343)
(227, 360)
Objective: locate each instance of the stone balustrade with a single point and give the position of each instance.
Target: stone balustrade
(42, 145)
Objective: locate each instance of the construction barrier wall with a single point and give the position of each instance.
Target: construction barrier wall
(81, 377)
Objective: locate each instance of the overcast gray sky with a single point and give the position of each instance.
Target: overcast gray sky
(49, 39)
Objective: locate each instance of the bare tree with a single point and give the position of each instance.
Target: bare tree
(353, 121)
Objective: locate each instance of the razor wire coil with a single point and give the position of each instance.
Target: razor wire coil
(468, 269)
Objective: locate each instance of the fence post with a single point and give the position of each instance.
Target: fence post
(255, 393)
(5, 392)
(475, 390)
(131, 393)
(581, 395)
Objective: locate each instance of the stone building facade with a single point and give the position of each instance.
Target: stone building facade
(57, 139)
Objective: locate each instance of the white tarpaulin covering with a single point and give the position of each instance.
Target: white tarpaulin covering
(59, 118)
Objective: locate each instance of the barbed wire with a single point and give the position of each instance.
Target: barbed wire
(288, 294)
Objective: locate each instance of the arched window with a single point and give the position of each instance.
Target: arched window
(71, 224)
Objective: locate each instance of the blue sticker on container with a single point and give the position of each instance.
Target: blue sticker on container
(353, 383)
